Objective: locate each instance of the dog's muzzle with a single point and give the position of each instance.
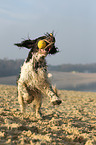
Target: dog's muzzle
(46, 44)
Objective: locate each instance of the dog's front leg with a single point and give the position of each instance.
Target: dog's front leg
(37, 103)
(38, 106)
(50, 92)
(55, 100)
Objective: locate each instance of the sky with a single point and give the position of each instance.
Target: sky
(73, 23)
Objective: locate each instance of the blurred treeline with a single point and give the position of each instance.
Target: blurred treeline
(12, 67)
(83, 68)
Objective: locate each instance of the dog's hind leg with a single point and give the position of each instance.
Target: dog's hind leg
(21, 96)
(21, 102)
(38, 101)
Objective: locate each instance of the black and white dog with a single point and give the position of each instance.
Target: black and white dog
(33, 81)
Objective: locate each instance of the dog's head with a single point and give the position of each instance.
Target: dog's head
(44, 44)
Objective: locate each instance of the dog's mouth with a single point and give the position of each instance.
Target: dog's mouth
(48, 49)
(50, 41)
(47, 45)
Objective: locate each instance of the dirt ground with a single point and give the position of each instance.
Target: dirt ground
(71, 123)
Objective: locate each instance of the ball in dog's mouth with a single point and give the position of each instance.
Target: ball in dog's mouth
(46, 51)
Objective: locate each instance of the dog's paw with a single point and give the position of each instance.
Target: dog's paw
(55, 100)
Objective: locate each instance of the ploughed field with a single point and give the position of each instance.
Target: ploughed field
(71, 123)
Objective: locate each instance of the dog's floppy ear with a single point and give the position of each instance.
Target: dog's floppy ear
(26, 43)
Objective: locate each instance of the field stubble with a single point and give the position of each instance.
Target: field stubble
(71, 123)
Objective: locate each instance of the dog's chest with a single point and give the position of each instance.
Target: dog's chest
(40, 66)
(32, 70)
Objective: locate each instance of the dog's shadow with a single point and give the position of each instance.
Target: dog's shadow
(44, 118)
(48, 117)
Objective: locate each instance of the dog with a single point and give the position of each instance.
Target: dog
(33, 82)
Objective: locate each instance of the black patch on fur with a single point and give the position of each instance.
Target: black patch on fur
(30, 44)
(40, 64)
(53, 50)
(26, 43)
(29, 56)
